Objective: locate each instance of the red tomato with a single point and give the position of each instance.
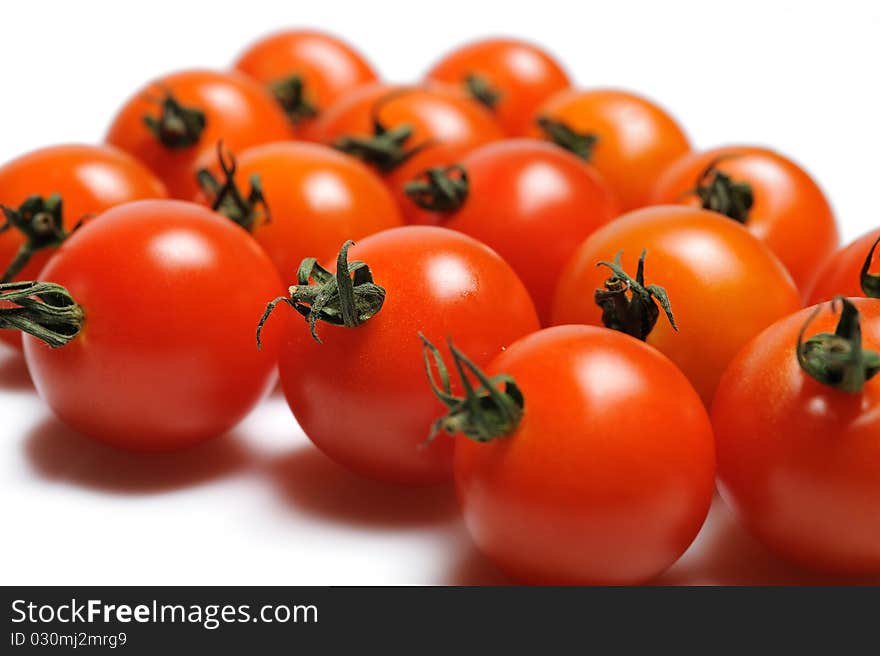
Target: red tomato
(842, 272)
(174, 123)
(578, 487)
(724, 285)
(799, 459)
(629, 139)
(306, 70)
(165, 357)
(509, 76)
(360, 395)
(70, 183)
(313, 199)
(530, 201)
(772, 196)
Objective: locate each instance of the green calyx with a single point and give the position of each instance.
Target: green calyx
(227, 199)
(40, 220)
(628, 305)
(347, 298)
(481, 90)
(290, 94)
(42, 309)
(177, 126)
(870, 281)
(720, 193)
(439, 189)
(387, 148)
(579, 143)
(838, 360)
(484, 413)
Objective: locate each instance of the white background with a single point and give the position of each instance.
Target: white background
(261, 506)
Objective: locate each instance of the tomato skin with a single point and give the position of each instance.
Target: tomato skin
(90, 179)
(585, 491)
(534, 204)
(799, 461)
(723, 284)
(166, 358)
(238, 111)
(318, 198)
(790, 213)
(362, 396)
(841, 273)
(637, 139)
(328, 66)
(523, 74)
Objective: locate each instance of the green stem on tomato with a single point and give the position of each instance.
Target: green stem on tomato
(177, 126)
(870, 282)
(42, 309)
(439, 189)
(564, 136)
(227, 199)
(719, 192)
(291, 95)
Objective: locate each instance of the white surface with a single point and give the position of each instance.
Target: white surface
(261, 506)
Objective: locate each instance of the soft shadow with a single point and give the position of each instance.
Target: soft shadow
(473, 568)
(311, 482)
(13, 372)
(63, 455)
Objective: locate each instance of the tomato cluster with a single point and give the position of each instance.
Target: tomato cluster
(489, 276)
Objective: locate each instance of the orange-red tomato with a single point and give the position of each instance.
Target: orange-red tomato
(315, 199)
(773, 197)
(842, 272)
(86, 179)
(190, 111)
(629, 139)
(724, 285)
(608, 476)
(509, 76)
(530, 201)
(799, 460)
(306, 70)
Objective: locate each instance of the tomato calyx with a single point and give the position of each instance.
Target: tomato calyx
(579, 143)
(40, 221)
(439, 189)
(45, 310)
(290, 94)
(636, 314)
(227, 199)
(481, 90)
(386, 149)
(347, 298)
(177, 125)
(483, 413)
(870, 282)
(720, 193)
(838, 360)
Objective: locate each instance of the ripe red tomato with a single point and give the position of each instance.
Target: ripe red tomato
(174, 123)
(799, 459)
(773, 197)
(360, 395)
(578, 487)
(306, 70)
(509, 76)
(47, 192)
(629, 139)
(165, 357)
(530, 201)
(723, 284)
(842, 272)
(310, 200)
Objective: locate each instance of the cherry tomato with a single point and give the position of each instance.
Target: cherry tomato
(306, 70)
(311, 199)
(510, 77)
(528, 200)
(723, 284)
(629, 139)
(46, 193)
(842, 272)
(569, 484)
(360, 395)
(798, 457)
(174, 123)
(772, 196)
(165, 357)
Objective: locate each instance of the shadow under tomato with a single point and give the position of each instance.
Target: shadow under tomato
(310, 482)
(13, 371)
(473, 568)
(60, 454)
